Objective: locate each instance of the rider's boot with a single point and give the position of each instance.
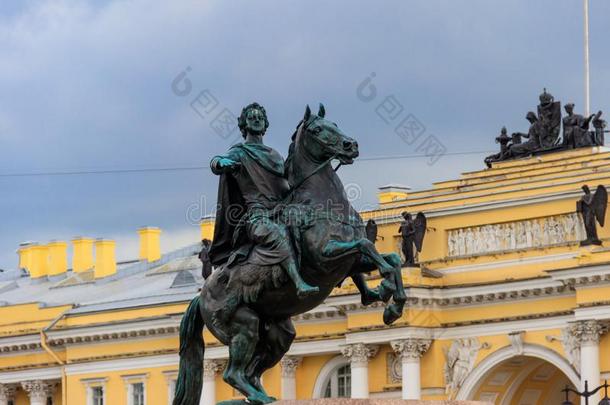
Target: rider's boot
(303, 289)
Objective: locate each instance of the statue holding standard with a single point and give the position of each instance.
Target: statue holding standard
(412, 232)
(592, 207)
(285, 236)
(371, 230)
(204, 257)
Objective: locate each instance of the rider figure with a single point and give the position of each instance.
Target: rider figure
(252, 184)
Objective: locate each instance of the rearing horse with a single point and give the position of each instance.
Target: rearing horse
(249, 308)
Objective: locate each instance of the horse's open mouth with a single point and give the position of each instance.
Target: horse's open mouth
(347, 159)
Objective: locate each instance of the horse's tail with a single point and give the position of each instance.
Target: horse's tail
(188, 385)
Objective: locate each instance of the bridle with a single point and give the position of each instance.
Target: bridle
(302, 127)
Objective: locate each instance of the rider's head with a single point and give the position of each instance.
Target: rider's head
(253, 120)
(406, 215)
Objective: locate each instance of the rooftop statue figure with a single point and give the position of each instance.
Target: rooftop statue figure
(534, 135)
(576, 129)
(592, 208)
(412, 232)
(503, 139)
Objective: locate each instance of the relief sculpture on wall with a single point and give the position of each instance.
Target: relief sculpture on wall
(537, 232)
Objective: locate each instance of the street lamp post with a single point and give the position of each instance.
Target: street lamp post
(586, 393)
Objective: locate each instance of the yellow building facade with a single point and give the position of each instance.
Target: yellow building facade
(507, 307)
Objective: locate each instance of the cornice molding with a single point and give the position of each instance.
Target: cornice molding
(495, 264)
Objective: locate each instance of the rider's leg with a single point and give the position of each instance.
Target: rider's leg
(273, 239)
(303, 289)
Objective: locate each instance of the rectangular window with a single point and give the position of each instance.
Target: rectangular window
(137, 393)
(97, 395)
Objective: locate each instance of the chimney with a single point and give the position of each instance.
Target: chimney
(82, 254)
(25, 255)
(58, 257)
(105, 262)
(207, 227)
(150, 246)
(392, 192)
(39, 261)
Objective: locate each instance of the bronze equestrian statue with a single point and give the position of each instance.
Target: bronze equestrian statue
(248, 301)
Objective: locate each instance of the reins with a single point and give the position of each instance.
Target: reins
(316, 170)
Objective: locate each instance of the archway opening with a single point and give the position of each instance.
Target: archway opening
(339, 383)
(523, 380)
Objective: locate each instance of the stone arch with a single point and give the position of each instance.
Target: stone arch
(325, 373)
(470, 384)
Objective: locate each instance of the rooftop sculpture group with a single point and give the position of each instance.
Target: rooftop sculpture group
(543, 133)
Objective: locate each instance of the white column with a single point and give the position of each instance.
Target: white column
(38, 391)
(289, 385)
(359, 355)
(410, 351)
(7, 393)
(210, 370)
(587, 333)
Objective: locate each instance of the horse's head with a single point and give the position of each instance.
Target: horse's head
(322, 140)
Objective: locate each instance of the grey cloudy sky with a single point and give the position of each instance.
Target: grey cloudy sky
(86, 85)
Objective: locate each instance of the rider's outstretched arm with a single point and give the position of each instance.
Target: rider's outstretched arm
(223, 163)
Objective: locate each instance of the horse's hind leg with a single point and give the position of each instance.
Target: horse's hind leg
(245, 337)
(275, 340)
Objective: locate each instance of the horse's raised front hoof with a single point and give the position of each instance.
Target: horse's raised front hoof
(391, 314)
(386, 290)
(370, 297)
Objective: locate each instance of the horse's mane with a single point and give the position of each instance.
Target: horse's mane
(289, 159)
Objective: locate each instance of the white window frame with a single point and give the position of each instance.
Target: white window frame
(90, 384)
(326, 374)
(171, 377)
(130, 381)
(333, 380)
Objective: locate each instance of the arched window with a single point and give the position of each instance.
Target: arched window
(339, 384)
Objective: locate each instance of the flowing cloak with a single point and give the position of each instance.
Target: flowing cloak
(262, 165)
